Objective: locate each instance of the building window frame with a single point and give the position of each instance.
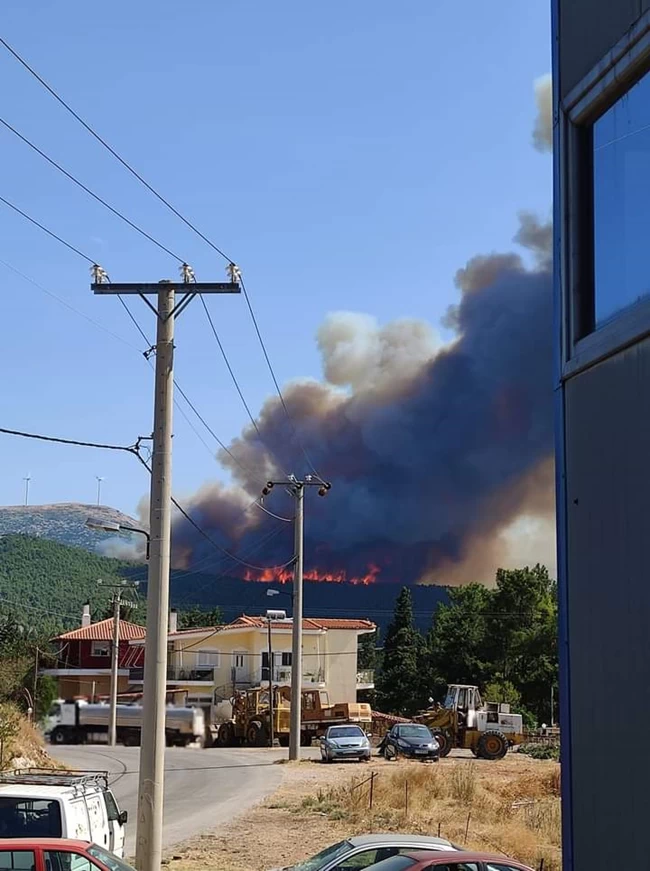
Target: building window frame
(100, 649)
(584, 345)
(208, 658)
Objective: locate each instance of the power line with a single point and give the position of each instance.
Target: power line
(68, 305)
(45, 230)
(111, 150)
(90, 193)
(178, 214)
(129, 449)
(232, 374)
(275, 380)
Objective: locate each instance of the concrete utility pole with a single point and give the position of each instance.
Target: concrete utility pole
(116, 602)
(152, 751)
(115, 663)
(297, 488)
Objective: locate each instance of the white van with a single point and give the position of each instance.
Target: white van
(40, 803)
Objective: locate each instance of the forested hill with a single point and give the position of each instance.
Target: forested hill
(45, 583)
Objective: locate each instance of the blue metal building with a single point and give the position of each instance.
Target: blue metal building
(601, 81)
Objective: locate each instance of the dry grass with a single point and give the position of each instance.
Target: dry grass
(511, 806)
(463, 801)
(21, 746)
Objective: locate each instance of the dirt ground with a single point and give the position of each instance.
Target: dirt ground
(477, 803)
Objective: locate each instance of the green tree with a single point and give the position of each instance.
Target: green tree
(399, 684)
(366, 651)
(197, 618)
(457, 641)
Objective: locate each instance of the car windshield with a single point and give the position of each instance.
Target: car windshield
(345, 732)
(415, 732)
(320, 860)
(109, 859)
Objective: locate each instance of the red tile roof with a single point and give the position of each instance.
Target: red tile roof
(309, 623)
(103, 631)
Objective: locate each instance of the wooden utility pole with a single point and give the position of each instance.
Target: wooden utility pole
(152, 751)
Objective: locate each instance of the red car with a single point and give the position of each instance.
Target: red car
(459, 860)
(56, 854)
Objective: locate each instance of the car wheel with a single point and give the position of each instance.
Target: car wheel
(390, 753)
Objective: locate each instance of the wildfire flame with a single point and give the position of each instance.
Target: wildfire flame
(284, 576)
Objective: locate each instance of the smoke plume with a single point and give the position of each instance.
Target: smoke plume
(543, 130)
(439, 455)
(433, 450)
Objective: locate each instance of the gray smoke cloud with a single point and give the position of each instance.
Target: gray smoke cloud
(432, 449)
(543, 129)
(440, 455)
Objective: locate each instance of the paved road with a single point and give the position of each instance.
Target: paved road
(203, 788)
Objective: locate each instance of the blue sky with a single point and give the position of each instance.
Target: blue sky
(346, 155)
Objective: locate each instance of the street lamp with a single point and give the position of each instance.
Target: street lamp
(111, 526)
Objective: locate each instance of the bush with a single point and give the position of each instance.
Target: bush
(541, 751)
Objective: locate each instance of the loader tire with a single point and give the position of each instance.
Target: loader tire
(226, 735)
(256, 735)
(492, 745)
(444, 741)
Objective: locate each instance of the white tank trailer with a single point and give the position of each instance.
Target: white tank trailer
(80, 722)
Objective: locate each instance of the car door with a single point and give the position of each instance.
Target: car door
(115, 824)
(99, 832)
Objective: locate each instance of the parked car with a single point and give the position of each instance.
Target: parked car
(363, 851)
(56, 854)
(47, 803)
(410, 739)
(345, 742)
(448, 861)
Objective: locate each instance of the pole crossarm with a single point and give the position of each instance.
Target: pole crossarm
(189, 289)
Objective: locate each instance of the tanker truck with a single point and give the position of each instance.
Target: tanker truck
(79, 722)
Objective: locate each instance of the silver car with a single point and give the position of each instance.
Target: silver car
(366, 850)
(344, 742)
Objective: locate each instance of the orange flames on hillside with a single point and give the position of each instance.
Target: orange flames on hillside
(284, 576)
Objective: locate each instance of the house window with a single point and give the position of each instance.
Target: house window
(101, 648)
(286, 659)
(621, 203)
(239, 659)
(208, 659)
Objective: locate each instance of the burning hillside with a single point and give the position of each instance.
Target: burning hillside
(432, 449)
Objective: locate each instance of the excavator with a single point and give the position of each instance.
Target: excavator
(464, 721)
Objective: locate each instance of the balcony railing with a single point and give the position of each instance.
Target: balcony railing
(205, 674)
(366, 677)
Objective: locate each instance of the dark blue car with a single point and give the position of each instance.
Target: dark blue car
(412, 740)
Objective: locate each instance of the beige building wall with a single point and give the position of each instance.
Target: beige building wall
(329, 659)
(342, 665)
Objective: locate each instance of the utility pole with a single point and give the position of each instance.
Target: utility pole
(152, 751)
(271, 728)
(297, 489)
(116, 602)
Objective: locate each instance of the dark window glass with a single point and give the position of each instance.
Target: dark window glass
(29, 818)
(621, 157)
(60, 860)
(17, 860)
